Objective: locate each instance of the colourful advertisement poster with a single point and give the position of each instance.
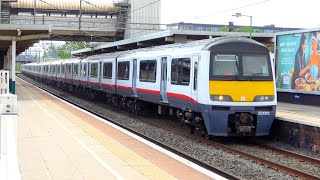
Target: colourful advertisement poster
(298, 62)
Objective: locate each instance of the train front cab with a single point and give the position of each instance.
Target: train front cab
(241, 88)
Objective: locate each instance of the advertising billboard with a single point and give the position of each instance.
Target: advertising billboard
(298, 62)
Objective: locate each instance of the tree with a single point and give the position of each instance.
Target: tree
(247, 29)
(223, 29)
(51, 51)
(64, 51)
(241, 29)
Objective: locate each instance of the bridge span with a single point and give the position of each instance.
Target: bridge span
(70, 21)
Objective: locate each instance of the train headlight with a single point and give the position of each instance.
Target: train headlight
(263, 98)
(221, 98)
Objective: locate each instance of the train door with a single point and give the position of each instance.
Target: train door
(134, 77)
(72, 71)
(195, 77)
(163, 82)
(100, 74)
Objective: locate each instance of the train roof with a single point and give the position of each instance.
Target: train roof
(56, 62)
(178, 48)
(71, 60)
(190, 47)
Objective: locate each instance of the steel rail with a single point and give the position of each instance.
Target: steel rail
(291, 154)
(257, 159)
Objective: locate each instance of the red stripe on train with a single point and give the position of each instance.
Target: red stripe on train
(94, 83)
(124, 87)
(108, 85)
(148, 91)
(181, 96)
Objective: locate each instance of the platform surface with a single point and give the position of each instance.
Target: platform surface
(57, 141)
(302, 114)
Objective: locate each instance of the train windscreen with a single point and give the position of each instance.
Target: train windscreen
(240, 67)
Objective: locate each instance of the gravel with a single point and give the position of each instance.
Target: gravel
(280, 159)
(234, 164)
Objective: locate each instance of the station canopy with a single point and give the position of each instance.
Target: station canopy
(25, 35)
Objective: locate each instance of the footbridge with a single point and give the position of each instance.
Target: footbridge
(72, 19)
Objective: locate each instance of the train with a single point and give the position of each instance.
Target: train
(222, 86)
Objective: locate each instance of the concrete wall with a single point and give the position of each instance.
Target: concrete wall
(143, 11)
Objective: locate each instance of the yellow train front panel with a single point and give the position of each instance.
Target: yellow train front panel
(242, 91)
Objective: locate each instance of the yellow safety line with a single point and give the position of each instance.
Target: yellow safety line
(134, 160)
(137, 162)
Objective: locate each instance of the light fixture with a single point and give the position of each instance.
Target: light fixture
(241, 15)
(19, 31)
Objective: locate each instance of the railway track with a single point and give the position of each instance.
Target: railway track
(291, 154)
(217, 145)
(267, 163)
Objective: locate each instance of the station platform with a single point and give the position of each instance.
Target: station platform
(301, 114)
(59, 141)
(297, 125)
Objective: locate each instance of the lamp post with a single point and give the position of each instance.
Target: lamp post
(34, 11)
(241, 15)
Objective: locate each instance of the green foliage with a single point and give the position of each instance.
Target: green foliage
(241, 29)
(64, 51)
(223, 29)
(247, 29)
(51, 52)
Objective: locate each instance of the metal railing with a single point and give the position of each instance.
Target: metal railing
(88, 24)
(67, 23)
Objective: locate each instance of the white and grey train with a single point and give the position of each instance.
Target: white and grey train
(221, 87)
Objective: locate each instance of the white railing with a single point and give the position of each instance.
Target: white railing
(4, 82)
(9, 166)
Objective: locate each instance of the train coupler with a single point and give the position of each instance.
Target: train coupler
(244, 124)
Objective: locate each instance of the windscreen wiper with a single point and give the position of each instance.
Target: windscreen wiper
(238, 68)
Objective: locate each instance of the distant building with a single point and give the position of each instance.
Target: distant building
(215, 27)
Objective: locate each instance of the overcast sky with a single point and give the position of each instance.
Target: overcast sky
(282, 13)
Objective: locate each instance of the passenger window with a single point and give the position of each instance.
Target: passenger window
(123, 70)
(143, 71)
(68, 69)
(84, 70)
(148, 70)
(94, 70)
(107, 70)
(180, 71)
(186, 71)
(75, 69)
(174, 71)
(195, 76)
